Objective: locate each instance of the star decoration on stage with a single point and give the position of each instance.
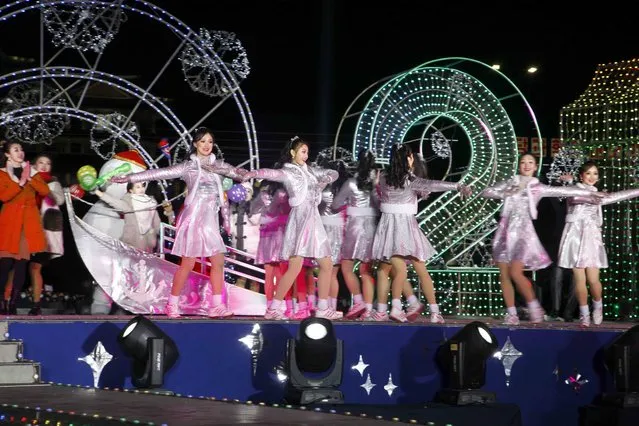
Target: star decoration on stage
(360, 366)
(508, 355)
(368, 385)
(97, 360)
(555, 373)
(255, 342)
(390, 386)
(576, 381)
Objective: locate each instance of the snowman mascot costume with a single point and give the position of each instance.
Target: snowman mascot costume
(106, 219)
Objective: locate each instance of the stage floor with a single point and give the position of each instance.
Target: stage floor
(139, 408)
(422, 321)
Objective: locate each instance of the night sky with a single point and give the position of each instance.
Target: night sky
(310, 58)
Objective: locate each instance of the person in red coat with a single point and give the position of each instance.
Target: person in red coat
(21, 232)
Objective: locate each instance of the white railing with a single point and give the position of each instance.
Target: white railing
(167, 233)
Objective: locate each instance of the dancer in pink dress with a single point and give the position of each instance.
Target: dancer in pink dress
(399, 238)
(515, 244)
(582, 248)
(274, 212)
(305, 236)
(198, 230)
(359, 196)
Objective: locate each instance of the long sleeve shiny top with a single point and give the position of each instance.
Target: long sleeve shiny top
(517, 194)
(351, 196)
(198, 181)
(581, 208)
(301, 181)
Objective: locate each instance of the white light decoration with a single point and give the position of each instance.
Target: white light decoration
(89, 35)
(102, 133)
(35, 129)
(440, 145)
(467, 101)
(603, 122)
(84, 26)
(567, 161)
(203, 74)
(331, 154)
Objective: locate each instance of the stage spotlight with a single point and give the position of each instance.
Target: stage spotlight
(622, 360)
(314, 364)
(153, 352)
(463, 361)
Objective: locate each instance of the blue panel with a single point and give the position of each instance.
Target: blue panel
(213, 362)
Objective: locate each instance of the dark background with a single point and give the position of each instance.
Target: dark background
(310, 58)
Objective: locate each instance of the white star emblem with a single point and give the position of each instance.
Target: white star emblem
(390, 386)
(360, 366)
(368, 385)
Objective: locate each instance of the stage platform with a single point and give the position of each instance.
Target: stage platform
(384, 363)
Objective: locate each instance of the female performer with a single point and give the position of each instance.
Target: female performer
(398, 237)
(582, 248)
(362, 211)
(274, 212)
(305, 236)
(516, 245)
(198, 230)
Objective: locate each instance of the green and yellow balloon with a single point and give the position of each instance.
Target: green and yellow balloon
(89, 180)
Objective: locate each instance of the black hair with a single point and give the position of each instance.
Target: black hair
(586, 166)
(399, 171)
(419, 166)
(365, 163)
(6, 146)
(293, 145)
(129, 185)
(199, 134)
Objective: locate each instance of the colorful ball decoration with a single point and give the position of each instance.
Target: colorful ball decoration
(87, 176)
(227, 183)
(237, 193)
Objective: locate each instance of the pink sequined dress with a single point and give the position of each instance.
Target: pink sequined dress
(515, 238)
(272, 226)
(198, 227)
(305, 235)
(398, 233)
(362, 215)
(333, 221)
(581, 242)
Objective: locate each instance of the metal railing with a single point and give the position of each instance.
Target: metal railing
(167, 234)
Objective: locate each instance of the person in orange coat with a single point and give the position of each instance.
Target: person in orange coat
(21, 232)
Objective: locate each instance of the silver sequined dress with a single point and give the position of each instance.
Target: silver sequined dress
(305, 235)
(198, 228)
(398, 233)
(272, 226)
(515, 238)
(333, 221)
(362, 215)
(581, 242)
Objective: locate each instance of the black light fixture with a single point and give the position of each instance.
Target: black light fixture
(622, 360)
(463, 361)
(152, 350)
(314, 364)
